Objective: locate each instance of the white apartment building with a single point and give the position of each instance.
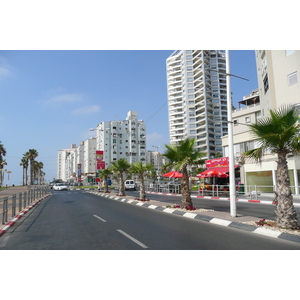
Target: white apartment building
(89, 159)
(77, 162)
(197, 100)
(278, 84)
(66, 161)
(122, 139)
(156, 159)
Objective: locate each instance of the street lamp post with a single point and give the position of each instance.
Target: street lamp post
(230, 140)
(230, 137)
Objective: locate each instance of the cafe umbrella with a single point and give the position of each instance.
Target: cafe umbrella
(173, 174)
(212, 173)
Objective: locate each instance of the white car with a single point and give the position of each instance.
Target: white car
(130, 185)
(60, 187)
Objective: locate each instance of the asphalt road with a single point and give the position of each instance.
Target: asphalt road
(74, 220)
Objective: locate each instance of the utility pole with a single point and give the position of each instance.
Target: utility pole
(232, 190)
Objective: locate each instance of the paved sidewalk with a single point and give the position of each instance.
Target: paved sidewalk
(12, 191)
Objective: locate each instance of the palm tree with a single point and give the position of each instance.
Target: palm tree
(2, 161)
(141, 170)
(24, 164)
(104, 174)
(181, 156)
(278, 134)
(37, 168)
(31, 154)
(120, 167)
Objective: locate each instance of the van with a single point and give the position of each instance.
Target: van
(130, 185)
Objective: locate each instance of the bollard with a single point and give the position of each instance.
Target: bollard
(20, 202)
(13, 205)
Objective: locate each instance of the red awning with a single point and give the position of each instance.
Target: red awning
(223, 169)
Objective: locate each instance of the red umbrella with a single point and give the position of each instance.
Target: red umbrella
(173, 174)
(212, 173)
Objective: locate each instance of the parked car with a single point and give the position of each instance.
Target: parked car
(130, 185)
(60, 187)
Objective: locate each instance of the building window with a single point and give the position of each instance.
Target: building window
(248, 119)
(292, 78)
(266, 83)
(289, 52)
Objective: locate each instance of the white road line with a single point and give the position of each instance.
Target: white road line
(133, 239)
(99, 218)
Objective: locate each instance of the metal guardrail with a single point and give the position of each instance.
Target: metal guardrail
(11, 206)
(163, 188)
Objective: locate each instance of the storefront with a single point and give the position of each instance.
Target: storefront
(263, 175)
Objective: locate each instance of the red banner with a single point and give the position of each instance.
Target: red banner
(99, 160)
(217, 162)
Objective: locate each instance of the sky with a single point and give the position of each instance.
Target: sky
(51, 99)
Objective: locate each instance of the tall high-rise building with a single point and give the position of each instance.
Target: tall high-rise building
(197, 100)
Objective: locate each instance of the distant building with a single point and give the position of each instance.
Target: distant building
(156, 159)
(122, 139)
(65, 163)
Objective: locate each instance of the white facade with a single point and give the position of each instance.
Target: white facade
(65, 162)
(122, 139)
(197, 99)
(156, 159)
(278, 81)
(278, 73)
(89, 157)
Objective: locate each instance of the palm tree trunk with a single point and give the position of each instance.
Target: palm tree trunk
(286, 216)
(185, 189)
(26, 177)
(23, 176)
(122, 187)
(142, 189)
(106, 184)
(31, 172)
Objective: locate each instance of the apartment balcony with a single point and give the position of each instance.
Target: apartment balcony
(177, 113)
(177, 134)
(174, 107)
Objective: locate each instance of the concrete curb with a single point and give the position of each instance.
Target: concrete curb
(13, 221)
(217, 221)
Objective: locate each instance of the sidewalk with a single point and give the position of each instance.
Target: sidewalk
(12, 191)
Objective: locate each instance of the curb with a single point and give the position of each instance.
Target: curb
(217, 221)
(13, 221)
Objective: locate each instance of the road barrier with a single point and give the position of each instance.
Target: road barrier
(11, 206)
